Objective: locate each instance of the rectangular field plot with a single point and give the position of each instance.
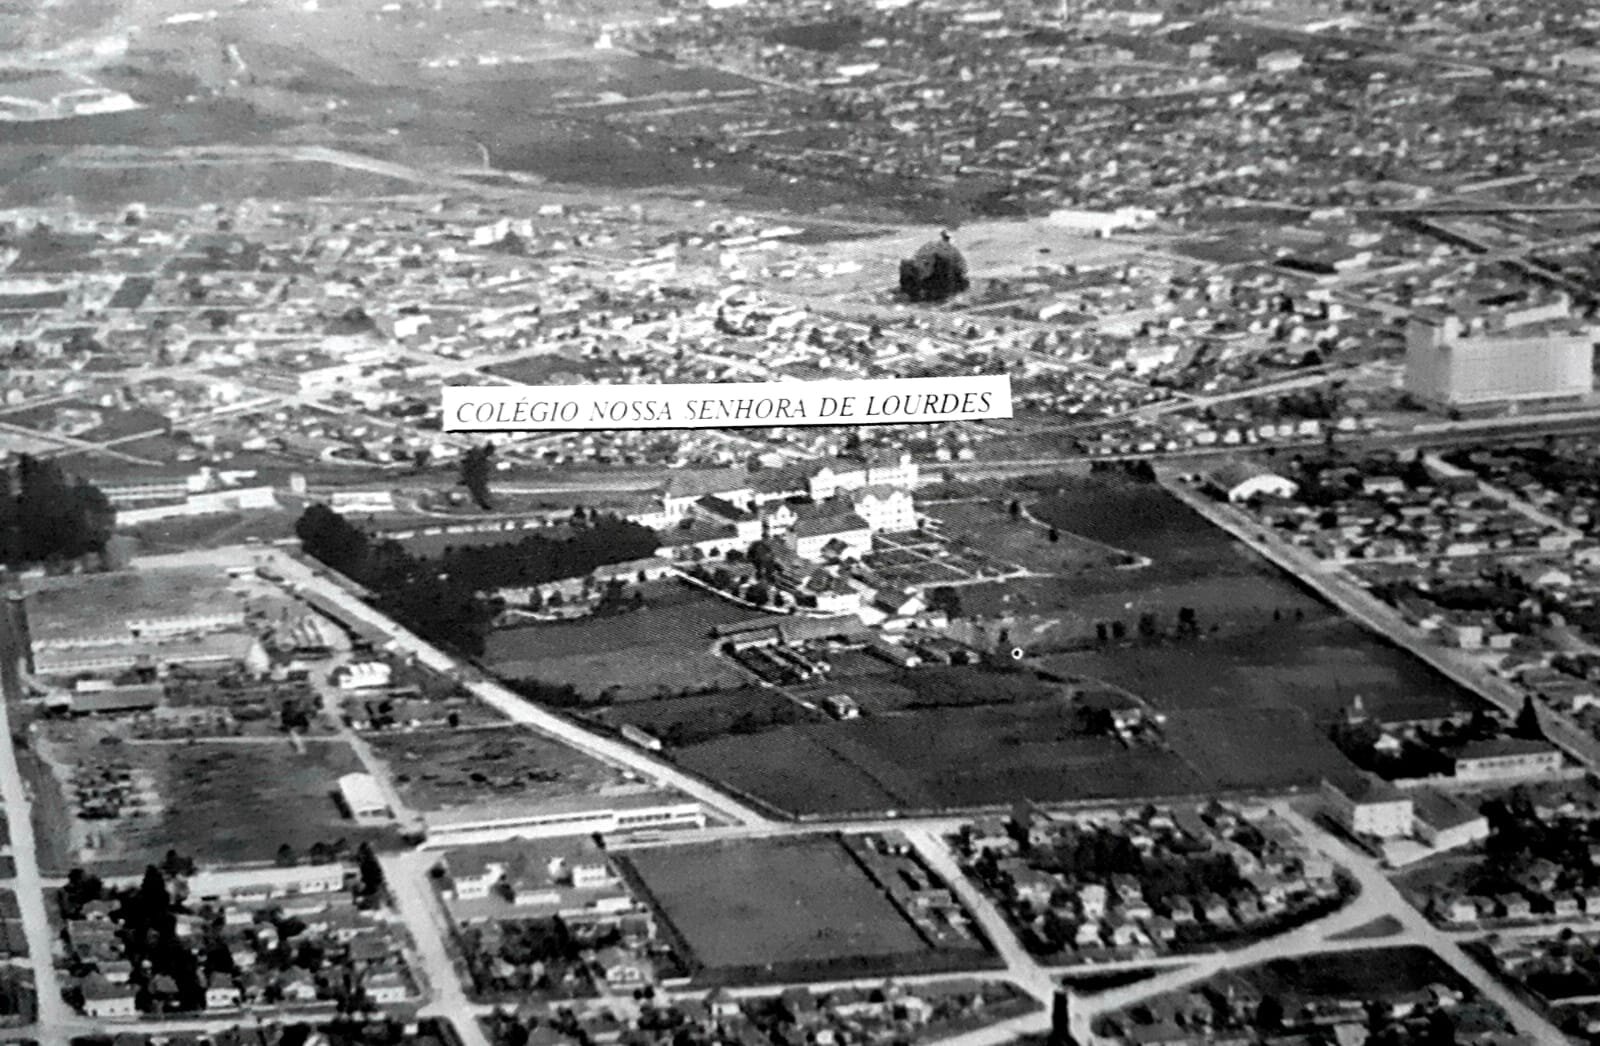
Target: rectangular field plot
(1317, 666)
(688, 720)
(223, 802)
(782, 909)
(664, 648)
(939, 759)
(987, 528)
(436, 770)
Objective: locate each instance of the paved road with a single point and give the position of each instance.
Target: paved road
(1515, 502)
(424, 916)
(1023, 968)
(1376, 887)
(29, 887)
(407, 878)
(1378, 897)
(516, 708)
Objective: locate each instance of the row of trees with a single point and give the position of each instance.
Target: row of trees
(443, 598)
(49, 516)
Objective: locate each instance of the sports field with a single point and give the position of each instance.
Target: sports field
(769, 904)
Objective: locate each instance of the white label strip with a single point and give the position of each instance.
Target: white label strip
(723, 405)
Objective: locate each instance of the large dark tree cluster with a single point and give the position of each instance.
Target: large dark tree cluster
(47, 515)
(476, 466)
(441, 598)
(936, 272)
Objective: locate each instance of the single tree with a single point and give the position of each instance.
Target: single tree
(1527, 723)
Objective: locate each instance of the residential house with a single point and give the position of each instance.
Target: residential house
(104, 1000)
(222, 993)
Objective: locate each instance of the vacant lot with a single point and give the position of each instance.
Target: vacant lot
(104, 603)
(447, 769)
(224, 802)
(182, 533)
(773, 910)
(1366, 974)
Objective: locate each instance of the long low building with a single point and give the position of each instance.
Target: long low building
(219, 648)
(549, 820)
(268, 882)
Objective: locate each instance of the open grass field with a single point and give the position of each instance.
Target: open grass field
(988, 527)
(216, 531)
(1315, 667)
(644, 672)
(785, 907)
(665, 648)
(1254, 748)
(104, 603)
(1142, 518)
(221, 802)
(700, 717)
(674, 612)
(114, 424)
(1266, 642)
(1223, 600)
(939, 759)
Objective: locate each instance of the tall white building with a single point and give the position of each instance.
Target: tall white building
(888, 509)
(1472, 354)
(1367, 805)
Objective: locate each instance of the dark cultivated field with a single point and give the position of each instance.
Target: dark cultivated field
(1248, 749)
(701, 717)
(938, 759)
(765, 911)
(1370, 973)
(551, 368)
(1247, 700)
(1316, 667)
(1264, 641)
